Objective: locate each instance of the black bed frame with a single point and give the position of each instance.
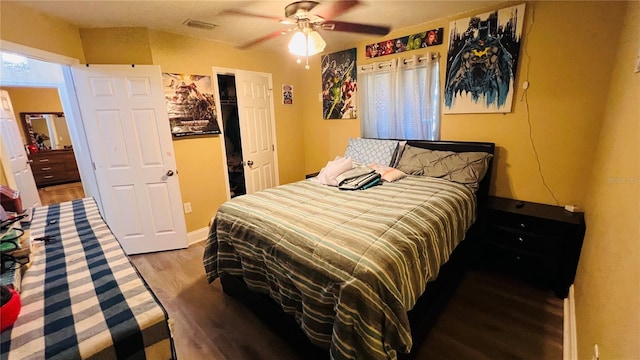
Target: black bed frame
(425, 313)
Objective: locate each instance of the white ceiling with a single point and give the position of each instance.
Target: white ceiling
(169, 15)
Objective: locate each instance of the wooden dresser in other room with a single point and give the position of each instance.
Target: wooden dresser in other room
(54, 167)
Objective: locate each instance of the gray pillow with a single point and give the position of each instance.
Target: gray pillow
(466, 168)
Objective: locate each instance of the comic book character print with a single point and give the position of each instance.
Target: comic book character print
(339, 90)
(483, 68)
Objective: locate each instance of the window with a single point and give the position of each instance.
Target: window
(401, 99)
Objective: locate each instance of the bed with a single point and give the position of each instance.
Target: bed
(81, 297)
(351, 274)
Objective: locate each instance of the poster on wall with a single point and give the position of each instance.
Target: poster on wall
(482, 61)
(406, 43)
(190, 104)
(287, 94)
(339, 85)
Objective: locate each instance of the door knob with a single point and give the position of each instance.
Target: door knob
(250, 163)
(170, 173)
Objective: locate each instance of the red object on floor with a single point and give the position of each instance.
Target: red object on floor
(9, 310)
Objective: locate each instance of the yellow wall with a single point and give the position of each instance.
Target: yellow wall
(568, 83)
(608, 282)
(116, 46)
(3, 178)
(31, 99)
(24, 26)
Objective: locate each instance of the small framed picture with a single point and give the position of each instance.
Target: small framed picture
(287, 94)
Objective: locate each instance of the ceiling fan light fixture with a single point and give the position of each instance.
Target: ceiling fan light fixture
(306, 43)
(298, 44)
(316, 43)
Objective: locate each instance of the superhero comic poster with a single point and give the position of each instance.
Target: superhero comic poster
(190, 104)
(339, 85)
(482, 61)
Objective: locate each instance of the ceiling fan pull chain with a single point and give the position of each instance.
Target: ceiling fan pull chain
(306, 36)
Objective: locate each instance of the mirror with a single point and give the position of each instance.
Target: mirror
(45, 130)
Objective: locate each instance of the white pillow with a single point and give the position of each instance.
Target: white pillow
(371, 151)
(334, 168)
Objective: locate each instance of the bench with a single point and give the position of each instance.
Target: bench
(81, 297)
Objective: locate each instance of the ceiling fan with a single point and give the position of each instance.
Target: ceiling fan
(307, 17)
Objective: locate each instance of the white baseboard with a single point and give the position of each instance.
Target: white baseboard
(197, 235)
(569, 338)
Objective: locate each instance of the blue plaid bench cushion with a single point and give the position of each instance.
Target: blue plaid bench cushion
(82, 298)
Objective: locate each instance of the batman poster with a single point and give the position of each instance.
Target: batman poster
(482, 61)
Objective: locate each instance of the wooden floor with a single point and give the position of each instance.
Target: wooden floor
(60, 193)
(490, 317)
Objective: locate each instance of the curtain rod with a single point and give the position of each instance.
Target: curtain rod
(434, 56)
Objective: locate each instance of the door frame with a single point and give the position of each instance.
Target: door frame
(71, 109)
(234, 72)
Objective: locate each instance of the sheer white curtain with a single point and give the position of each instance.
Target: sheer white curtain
(401, 99)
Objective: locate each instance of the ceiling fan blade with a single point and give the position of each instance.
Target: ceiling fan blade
(355, 28)
(259, 40)
(332, 9)
(244, 13)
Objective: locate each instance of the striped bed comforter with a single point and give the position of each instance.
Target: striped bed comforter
(348, 265)
(81, 297)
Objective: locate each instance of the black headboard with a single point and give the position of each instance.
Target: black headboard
(467, 146)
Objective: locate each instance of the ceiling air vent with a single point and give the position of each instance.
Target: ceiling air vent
(199, 24)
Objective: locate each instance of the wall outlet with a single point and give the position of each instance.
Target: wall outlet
(187, 207)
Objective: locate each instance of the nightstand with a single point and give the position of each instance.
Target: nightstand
(536, 242)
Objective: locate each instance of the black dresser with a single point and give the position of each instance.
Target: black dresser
(539, 243)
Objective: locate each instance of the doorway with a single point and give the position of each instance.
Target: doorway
(232, 137)
(45, 136)
(24, 68)
(256, 126)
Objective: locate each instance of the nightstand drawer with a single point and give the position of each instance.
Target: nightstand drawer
(538, 270)
(520, 240)
(532, 225)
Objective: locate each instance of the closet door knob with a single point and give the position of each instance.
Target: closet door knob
(250, 163)
(170, 173)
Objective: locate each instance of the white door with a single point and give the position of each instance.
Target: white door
(256, 129)
(16, 156)
(127, 127)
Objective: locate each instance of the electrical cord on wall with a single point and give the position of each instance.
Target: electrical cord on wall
(526, 104)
